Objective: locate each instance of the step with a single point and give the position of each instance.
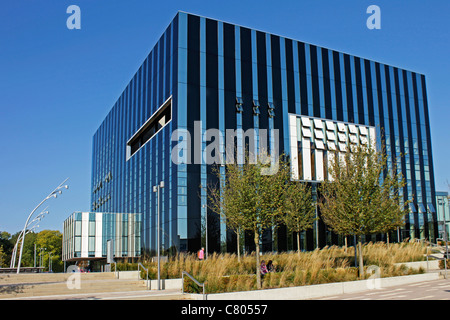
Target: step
(62, 288)
(14, 278)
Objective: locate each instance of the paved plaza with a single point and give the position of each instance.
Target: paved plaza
(429, 290)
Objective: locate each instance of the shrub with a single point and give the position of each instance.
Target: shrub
(223, 272)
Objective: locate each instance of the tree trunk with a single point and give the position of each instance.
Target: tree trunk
(298, 243)
(387, 239)
(258, 267)
(238, 234)
(345, 244)
(360, 258)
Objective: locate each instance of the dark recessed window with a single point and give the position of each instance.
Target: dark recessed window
(156, 122)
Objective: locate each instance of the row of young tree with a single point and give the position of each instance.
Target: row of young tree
(48, 244)
(362, 197)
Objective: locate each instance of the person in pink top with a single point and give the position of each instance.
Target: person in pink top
(263, 268)
(201, 254)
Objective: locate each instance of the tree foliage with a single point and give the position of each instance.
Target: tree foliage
(363, 196)
(52, 241)
(300, 209)
(250, 199)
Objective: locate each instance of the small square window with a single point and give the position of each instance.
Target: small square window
(319, 145)
(256, 107)
(239, 103)
(306, 122)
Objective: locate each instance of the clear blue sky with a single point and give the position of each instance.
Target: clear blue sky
(57, 85)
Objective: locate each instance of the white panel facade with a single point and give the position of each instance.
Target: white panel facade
(319, 140)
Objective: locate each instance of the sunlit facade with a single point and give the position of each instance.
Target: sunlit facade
(86, 234)
(232, 77)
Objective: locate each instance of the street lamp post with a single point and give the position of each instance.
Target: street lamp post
(206, 229)
(34, 225)
(156, 189)
(40, 256)
(52, 194)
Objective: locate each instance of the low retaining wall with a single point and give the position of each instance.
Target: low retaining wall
(128, 275)
(165, 284)
(320, 290)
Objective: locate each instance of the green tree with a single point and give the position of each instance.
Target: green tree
(5, 243)
(52, 241)
(363, 196)
(2, 258)
(300, 209)
(28, 249)
(224, 199)
(253, 198)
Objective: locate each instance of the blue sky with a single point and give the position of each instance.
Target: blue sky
(57, 85)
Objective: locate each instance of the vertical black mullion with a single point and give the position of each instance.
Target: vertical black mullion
(212, 120)
(400, 128)
(359, 91)
(229, 70)
(315, 80)
(193, 114)
(338, 86)
(262, 79)
(174, 77)
(419, 140)
(161, 72)
(149, 85)
(369, 92)
(278, 120)
(247, 97)
(276, 85)
(380, 101)
(326, 84)
(390, 110)
(410, 143)
(303, 82)
(212, 75)
(154, 77)
(229, 76)
(290, 76)
(348, 86)
(246, 82)
(167, 70)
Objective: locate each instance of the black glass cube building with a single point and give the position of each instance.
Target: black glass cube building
(225, 76)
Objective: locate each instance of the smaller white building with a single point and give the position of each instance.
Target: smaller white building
(85, 235)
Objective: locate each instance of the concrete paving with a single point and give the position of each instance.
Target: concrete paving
(427, 290)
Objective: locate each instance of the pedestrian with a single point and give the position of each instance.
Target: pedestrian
(201, 253)
(263, 268)
(270, 266)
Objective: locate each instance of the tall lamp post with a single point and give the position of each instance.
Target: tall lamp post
(156, 189)
(52, 194)
(34, 225)
(206, 230)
